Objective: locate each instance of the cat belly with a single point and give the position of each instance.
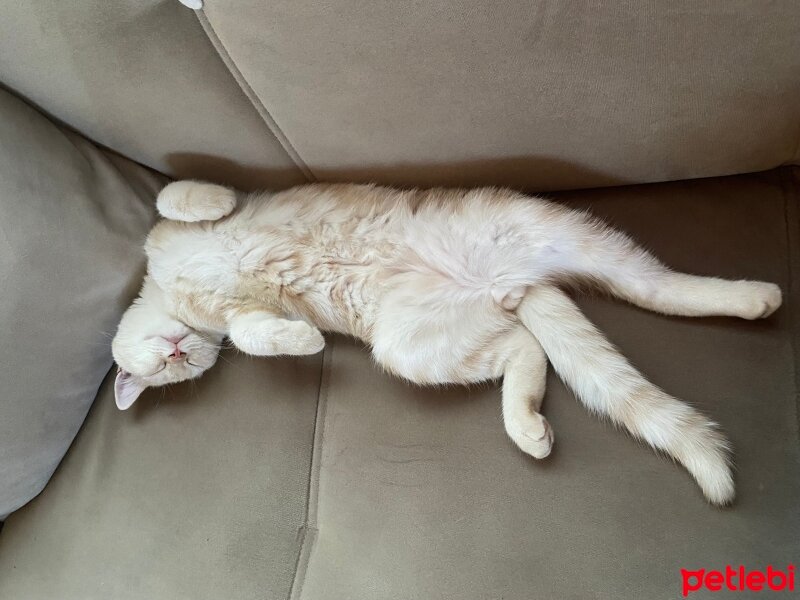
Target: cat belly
(443, 343)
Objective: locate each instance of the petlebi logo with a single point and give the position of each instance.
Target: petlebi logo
(739, 579)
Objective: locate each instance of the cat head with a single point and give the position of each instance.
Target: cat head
(154, 348)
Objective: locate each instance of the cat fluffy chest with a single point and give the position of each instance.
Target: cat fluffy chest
(328, 269)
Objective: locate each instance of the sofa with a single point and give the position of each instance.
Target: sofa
(321, 477)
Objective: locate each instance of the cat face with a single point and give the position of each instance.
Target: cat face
(152, 348)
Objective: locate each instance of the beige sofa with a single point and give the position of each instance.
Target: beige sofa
(322, 478)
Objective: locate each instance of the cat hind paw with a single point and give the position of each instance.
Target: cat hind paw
(534, 435)
(758, 300)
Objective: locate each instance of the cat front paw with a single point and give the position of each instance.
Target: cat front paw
(305, 339)
(192, 201)
(275, 337)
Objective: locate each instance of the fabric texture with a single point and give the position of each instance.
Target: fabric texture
(72, 222)
(198, 491)
(427, 498)
(214, 490)
(143, 79)
(540, 95)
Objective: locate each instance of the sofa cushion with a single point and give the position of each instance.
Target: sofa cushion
(141, 78)
(198, 491)
(545, 95)
(427, 498)
(72, 222)
(417, 493)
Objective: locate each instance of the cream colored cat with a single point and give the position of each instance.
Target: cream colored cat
(447, 286)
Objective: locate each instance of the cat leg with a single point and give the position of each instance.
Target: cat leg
(523, 392)
(633, 274)
(193, 201)
(680, 294)
(262, 333)
(609, 385)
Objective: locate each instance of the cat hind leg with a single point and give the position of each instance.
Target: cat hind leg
(633, 274)
(523, 391)
(609, 385)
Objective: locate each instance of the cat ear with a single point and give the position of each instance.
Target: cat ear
(127, 389)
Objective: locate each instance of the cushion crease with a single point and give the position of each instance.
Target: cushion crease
(265, 115)
(308, 533)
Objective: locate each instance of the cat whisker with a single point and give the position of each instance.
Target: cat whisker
(232, 364)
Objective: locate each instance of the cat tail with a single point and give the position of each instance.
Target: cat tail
(607, 384)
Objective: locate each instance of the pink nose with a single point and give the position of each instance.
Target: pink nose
(176, 354)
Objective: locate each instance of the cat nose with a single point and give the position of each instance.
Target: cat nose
(177, 355)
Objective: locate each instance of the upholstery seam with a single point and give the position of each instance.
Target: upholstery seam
(309, 529)
(262, 111)
(788, 182)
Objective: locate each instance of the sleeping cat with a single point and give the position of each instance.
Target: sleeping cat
(446, 286)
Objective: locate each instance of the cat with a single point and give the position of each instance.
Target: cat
(446, 286)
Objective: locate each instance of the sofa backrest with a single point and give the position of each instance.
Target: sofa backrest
(540, 95)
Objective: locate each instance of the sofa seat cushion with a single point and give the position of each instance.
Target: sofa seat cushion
(427, 498)
(213, 490)
(72, 222)
(198, 491)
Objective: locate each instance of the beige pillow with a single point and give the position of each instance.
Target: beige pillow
(72, 221)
